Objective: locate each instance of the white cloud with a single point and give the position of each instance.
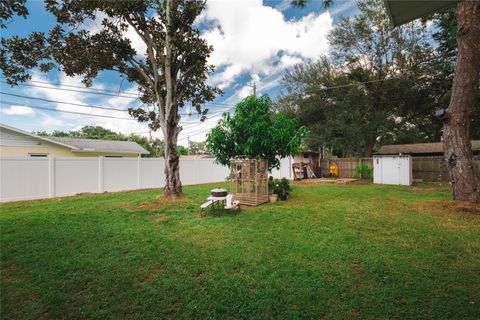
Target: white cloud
(19, 111)
(249, 37)
(430, 24)
(347, 5)
(252, 42)
(68, 121)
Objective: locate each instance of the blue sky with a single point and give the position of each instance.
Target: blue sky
(253, 41)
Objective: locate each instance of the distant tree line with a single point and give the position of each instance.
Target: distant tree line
(155, 146)
(379, 86)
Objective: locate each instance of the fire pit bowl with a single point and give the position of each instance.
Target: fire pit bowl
(219, 192)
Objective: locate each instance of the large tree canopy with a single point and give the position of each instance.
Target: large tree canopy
(374, 89)
(170, 73)
(443, 65)
(463, 104)
(255, 131)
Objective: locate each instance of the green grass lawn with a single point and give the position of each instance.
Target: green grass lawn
(330, 252)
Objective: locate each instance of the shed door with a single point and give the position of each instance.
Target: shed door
(391, 167)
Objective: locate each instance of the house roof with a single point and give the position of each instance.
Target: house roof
(402, 11)
(32, 135)
(87, 145)
(96, 145)
(419, 148)
(197, 156)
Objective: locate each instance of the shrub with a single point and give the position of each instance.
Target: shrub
(363, 171)
(271, 185)
(279, 187)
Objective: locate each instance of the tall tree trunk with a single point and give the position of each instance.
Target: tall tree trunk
(369, 143)
(457, 147)
(173, 185)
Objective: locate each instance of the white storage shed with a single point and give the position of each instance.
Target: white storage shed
(392, 169)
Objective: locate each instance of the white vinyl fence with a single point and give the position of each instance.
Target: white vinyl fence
(37, 178)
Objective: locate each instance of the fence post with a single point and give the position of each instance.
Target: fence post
(51, 176)
(360, 164)
(101, 187)
(139, 173)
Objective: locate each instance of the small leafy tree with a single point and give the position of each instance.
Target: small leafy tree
(255, 131)
(182, 150)
(363, 171)
(197, 147)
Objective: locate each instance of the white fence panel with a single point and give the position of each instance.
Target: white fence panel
(187, 171)
(36, 178)
(152, 173)
(197, 171)
(76, 175)
(120, 174)
(24, 178)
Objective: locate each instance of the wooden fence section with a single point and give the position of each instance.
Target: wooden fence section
(424, 168)
(346, 166)
(433, 168)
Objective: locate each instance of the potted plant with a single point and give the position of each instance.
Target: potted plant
(284, 189)
(271, 190)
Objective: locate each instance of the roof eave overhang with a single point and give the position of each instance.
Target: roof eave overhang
(103, 151)
(414, 9)
(37, 137)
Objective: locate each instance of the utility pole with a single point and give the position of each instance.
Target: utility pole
(254, 86)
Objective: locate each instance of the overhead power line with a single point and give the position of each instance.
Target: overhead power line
(85, 105)
(75, 90)
(83, 87)
(189, 130)
(195, 132)
(10, 103)
(66, 111)
(351, 84)
(63, 102)
(115, 93)
(35, 98)
(195, 125)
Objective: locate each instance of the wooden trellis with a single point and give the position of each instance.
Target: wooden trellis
(249, 180)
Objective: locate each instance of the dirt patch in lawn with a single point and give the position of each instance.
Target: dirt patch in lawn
(319, 181)
(157, 204)
(17, 283)
(12, 272)
(448, 206)
(428, 187)
(423, 190)
(161, 219)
